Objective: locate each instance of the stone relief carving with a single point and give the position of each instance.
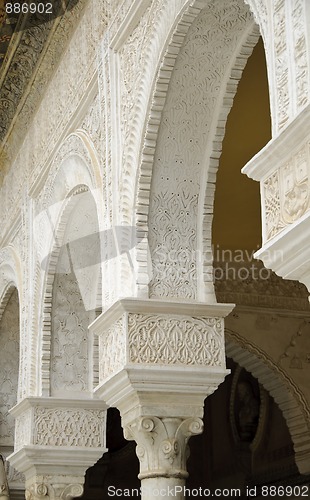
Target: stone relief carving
(281, 63)
(69, 427)
(184, 131)
(175, 340)
(69, 349)
(112, 349)
(23, 428)
(54, 487)
(286, 192)
(9, 348)
(273, 221)
(300, 53)
(4, 488)
(92, 123)
(78, 59)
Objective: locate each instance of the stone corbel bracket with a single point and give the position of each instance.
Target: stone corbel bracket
(159, 357)
(283, 169)
(58, 437)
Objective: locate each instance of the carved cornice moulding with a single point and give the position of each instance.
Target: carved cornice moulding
(127, 18)
(51, 402)
(282, 168)
(136, 305)
(47, 460)
(288, 253)
(159, 390)
(276, 151)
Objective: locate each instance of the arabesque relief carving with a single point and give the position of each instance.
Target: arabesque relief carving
(286, 192)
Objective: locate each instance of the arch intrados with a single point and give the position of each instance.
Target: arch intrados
(66, 210)
(10, 271)
(287, 396)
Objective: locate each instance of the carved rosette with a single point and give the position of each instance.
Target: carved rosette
(162, 444)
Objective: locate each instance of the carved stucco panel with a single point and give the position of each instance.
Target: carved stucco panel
(69, 349)
(92, 123)
(175, 340)
(23, 429)
(9, 366)
(43, 135)
(112, 349)
(300, 53)
(281, 63)
(69, 427)
(286, 192)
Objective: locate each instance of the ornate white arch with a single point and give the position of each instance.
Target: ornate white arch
(10, 275)
(74, 170)
(285, 393)
(145, 177)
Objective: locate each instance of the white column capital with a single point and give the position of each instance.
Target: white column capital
(162, 444)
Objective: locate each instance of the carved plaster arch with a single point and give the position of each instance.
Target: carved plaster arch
(10, 282)
(68, 206)
(285, 393)
(74, 170)
(152, 139)
(10, 275)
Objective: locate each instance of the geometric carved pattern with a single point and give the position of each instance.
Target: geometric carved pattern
(69, 427)
(175, 340)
